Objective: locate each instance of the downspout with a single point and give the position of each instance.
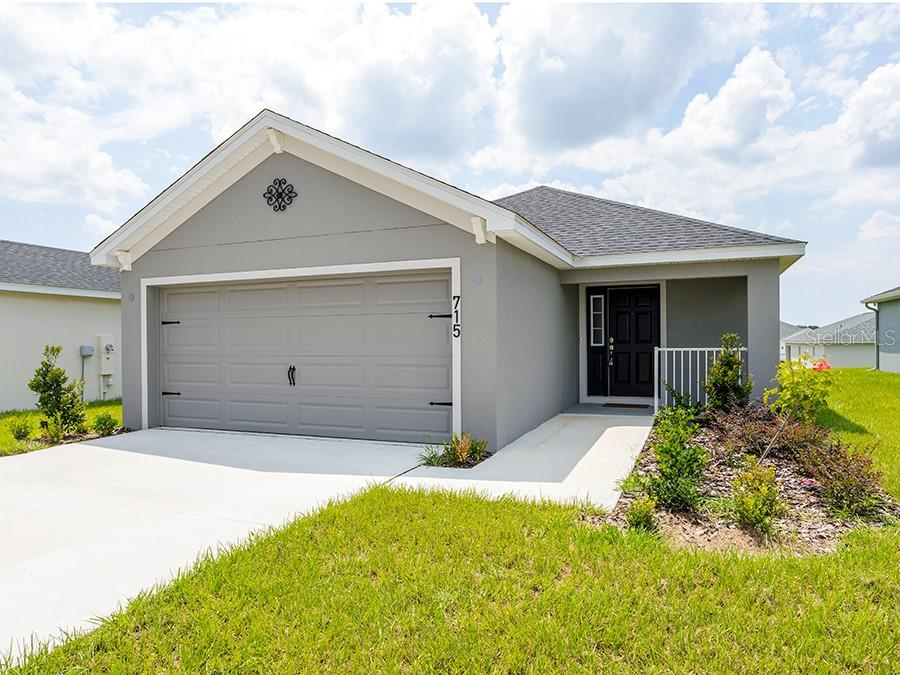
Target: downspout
(874, 308)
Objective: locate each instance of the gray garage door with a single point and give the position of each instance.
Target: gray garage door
(354, 357)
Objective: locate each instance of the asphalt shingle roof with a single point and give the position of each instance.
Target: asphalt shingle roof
(587, 225)
(890, 294)
(44, 266)
(858, 329)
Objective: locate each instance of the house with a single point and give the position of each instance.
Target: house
(784, 330)
(292, 282)
(54, 296)
(848, 343)
(887, 327)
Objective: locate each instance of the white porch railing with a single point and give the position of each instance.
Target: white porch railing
(685, 369)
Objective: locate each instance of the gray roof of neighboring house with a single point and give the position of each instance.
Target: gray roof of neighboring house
(587, 225)
(786, 329)
(59, 267)
(884, 296)
(858, 329)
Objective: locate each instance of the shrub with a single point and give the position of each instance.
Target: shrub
(640, 515)
(850, 483)
(746, 431)
(58, 398)
(55, 429)
(802, 390)
(755, 496)
(20, 428)
(459, 451)
(726, 386)
(105, 424)
(680, 462)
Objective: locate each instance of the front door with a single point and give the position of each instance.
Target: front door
(633, 332)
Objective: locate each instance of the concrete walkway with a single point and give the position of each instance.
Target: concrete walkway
(569, 457)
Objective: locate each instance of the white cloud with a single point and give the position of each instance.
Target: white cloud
(871, 117)
(95, 224)
(881, 225)
(864, 25)
(576, 73)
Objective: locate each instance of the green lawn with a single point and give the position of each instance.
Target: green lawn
(396, 581)
(401, 581)
(864, 407)
(9, 446)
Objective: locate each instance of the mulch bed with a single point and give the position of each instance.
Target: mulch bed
(807, 525)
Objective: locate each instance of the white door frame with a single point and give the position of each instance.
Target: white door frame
(453, 264)
(582, 342)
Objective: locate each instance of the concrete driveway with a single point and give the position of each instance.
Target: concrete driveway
(84, 527)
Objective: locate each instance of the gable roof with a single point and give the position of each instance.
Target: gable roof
(786, 329)
(857, 329)
(884, 296)
(567, 239)
(588, 225)
(46, 269)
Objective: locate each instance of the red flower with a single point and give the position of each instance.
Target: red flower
(821, 365)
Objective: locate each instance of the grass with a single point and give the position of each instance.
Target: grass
(864, 407)
(398, 581)
(401, 581)
(9, 446)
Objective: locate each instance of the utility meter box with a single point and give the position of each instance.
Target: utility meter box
(106, 349)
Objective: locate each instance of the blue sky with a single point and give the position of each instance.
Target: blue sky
(781, 118)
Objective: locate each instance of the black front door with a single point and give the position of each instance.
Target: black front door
(632, 333)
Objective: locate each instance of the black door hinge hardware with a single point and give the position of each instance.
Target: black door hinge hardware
(440, 316)
(169, 323)
(171, 393)
(444, 403)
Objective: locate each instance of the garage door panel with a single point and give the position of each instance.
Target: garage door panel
(188, 411)
(368, 359)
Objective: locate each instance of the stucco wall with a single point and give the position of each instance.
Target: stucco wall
(700, 311)
(538, 336)
(889, 336)
(334, 221)
(28, 321)
(839, 356)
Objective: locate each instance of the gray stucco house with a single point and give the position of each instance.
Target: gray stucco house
(291, 282)
(887, 320)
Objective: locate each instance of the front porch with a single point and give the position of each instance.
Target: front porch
(640, 335)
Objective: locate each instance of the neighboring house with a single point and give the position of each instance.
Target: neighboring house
(292, 282)
(784, 330)
(887, 315)
(849, 343)
(53, 296)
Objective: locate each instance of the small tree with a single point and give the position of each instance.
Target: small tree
(726, 386)
(59, 399)
(803, 387)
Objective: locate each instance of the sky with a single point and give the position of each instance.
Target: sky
(778, 118)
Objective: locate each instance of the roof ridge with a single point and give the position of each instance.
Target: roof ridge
(730, 228)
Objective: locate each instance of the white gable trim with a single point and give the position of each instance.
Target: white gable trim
(270, 133)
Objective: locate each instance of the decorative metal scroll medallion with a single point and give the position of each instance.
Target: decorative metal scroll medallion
(280, 194)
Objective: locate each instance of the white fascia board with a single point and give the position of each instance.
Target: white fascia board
(787, 253)
(522, 234)
(135, 227)
(882, 297)
(60, 290)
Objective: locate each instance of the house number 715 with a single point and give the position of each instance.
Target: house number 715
(455, 329)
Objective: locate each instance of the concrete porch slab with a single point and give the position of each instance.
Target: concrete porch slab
(569, 457)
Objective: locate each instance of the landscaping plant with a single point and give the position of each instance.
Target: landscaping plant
(20, 428)
(104, 424)
(726, 384)
(849, 480)
(55, 428)
(640, 515)
(680, 461)
(803, 386)
(755, 497)
(59, 399)
(460, 451)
